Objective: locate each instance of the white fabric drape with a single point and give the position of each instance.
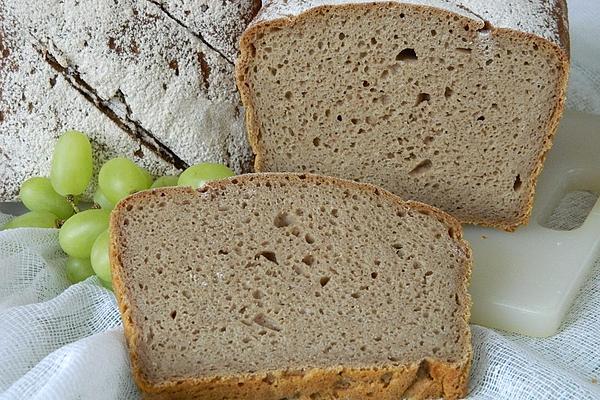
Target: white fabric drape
(66, 342)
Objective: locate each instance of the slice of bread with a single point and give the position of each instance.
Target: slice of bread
(273, 286)
(453, 103)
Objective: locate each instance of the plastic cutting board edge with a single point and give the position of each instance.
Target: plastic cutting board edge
(526, 281)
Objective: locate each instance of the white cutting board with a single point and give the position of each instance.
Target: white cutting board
(525, 281)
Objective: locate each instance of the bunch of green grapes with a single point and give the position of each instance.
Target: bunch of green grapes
(84, 235)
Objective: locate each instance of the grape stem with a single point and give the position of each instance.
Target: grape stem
(71, 200)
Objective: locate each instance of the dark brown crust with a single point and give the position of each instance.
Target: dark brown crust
(510, 224)
(429, 379)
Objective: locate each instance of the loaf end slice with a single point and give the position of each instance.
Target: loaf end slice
(432, 101)
(269, 286)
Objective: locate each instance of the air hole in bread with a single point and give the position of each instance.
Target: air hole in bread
(282, 220)
(451, 233)
(407, 55)
(266, 322)
(421, 168)
(269, 255)
(517, 184)
(308, 260)
(421, 97)
(464, 50)
(309, 238)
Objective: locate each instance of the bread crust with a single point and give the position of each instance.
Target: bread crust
(272, 19)
(429, 378)
(119, 75)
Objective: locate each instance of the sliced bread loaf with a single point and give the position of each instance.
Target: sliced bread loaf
(280, 286)
(453, 103)
(127, 73)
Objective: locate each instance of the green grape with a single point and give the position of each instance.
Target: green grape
(38, 195)
(197, 175)
(77, 235)
(33, 219)
(106, 284)
(71, 164)
(99, 257)
(102, 201)
(78, 269)
(164, 181)
(121, 177)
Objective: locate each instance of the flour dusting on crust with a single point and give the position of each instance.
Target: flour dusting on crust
(37, 104)
(537, 17)
(219, 23)
(153, 82)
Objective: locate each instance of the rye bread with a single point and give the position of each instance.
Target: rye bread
(128, 73)
(219, 23)
(452, 103)
(272, 286)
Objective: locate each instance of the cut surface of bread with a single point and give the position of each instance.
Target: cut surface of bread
(450, 103)
(271, 286)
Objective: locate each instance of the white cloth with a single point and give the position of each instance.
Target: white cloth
(66, 342)
(56, 341)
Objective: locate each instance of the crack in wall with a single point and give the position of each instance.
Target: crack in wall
(193, 33)
(110, 107)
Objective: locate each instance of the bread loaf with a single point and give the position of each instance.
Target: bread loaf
(219, 23)
(453, 103)
(273, 286)
(129, 74)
